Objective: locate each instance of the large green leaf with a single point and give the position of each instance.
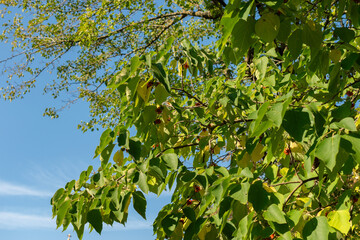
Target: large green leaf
(354, 147)
(277, 112)
(142, 182)
(261, 66)
(161, 75)
(171, 160)
(274, 214)
(258, 196)
(295, 43)
(312, 36)
(315, 229)
(139, 203)
(135, 148)
(327, 149)
(267, 27)
(296, 122)
(344, 34)
(95, 219)
(241, 36)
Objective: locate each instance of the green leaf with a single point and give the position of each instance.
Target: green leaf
(334, 78)
(355, 145)
(105, 139)
(241, 36)
(171, 160)
(95, 219)
(340, 220)
(170, 222)
(295, 43)
(296, 122)
(315, 229)
(160, 94)
(261, 66)
(161, 75)
(274, 214)
(106, 153)
(190, 213)
(346, 123)
(267, 27)
(240, 192)
(135, 148)
(277, 112)
(139, 203)
(258, 196)
(61, 213)
(349, 61)
(312, 36)
(285, 30)
(142, 182)
(123, 138)
(327, 149)
(345, 34)
(134, 64)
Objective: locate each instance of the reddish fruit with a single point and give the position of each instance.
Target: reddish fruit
(272, 236)
(197, 104)
(149, 84)
(182, 220)
(189, 202)
(287, 151)
(158, 110)
(197, 188)
(352, 105)
(157, 121)
(355, 199)
(349, 93)
(186, 65)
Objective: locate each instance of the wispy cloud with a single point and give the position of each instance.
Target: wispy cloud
(10, 189)
(12, 220)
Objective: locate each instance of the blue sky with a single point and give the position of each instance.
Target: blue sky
(38, 156)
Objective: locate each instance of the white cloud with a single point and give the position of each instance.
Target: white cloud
(12, 220)
(10, 189)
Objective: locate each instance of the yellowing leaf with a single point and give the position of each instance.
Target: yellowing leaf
(340, 220)
(216, 149)
(335, 55)
(119, 158)
(245, 161)
(143, 90)
(257, 153)
(296, 147)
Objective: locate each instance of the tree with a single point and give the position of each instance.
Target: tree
(257, 134)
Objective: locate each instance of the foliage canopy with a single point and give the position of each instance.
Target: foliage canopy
(246, 110)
